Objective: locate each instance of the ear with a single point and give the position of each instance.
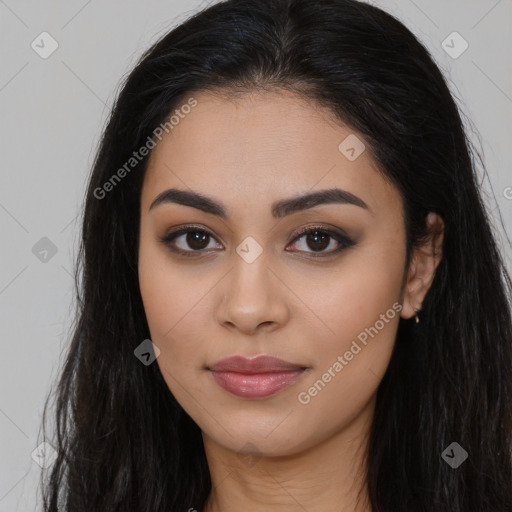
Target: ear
(422, 267)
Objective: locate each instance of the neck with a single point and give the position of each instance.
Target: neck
(329, 476)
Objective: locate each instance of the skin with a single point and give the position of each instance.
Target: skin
(247, 152)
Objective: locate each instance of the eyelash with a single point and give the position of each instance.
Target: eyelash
(341, 239)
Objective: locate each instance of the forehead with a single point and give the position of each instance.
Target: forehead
(259, 147)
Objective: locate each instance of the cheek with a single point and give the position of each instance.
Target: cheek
(350, 297)
(166, 289)
(158, 289)
(168, 303)
(174, 303)
(359, 304)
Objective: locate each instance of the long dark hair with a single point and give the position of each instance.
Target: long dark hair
(122, 440)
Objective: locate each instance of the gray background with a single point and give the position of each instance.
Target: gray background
(52, 111)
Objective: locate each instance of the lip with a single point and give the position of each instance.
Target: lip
(260, 364)
(255, 378)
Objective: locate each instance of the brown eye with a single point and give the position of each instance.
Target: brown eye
(318, 240)
(196, 239)
(191, 241)
(187, 241)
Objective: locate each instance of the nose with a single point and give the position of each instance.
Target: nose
(253, 297)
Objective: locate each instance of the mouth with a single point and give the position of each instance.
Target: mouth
(255, 378)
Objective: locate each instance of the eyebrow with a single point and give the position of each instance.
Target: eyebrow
(279, 209)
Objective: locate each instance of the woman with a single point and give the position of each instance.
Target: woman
(291, 295)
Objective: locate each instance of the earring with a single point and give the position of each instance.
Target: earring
(417, 318)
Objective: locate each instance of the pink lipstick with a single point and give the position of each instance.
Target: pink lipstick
(255, 378)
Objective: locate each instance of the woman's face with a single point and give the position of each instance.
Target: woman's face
(245, 282)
